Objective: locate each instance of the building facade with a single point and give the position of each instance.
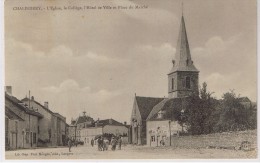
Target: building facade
(101, 127)
(22, 124)
(61, 129)
(52, 127)
(161, 132)
(71, 130)
(141, 109)
(89, 133)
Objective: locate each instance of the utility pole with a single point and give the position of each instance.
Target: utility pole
(30, 135)
(170, 132)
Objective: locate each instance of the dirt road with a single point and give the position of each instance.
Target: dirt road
(129, 152)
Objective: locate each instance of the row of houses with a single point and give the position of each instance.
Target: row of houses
(84, 129)
(30, 124)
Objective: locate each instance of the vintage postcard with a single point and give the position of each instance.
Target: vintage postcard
(130, 79)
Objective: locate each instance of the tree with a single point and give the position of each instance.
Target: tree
(233, 115)
(199, 112)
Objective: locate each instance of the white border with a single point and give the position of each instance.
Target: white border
(2, 79)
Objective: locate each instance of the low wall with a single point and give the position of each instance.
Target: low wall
(225, 139)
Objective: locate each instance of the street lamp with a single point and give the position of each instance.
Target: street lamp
(170, 132)
(135, 126)
(182, 117)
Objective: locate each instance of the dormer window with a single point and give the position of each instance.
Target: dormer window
(161, 114)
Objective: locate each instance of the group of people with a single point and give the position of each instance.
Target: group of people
(103, 143)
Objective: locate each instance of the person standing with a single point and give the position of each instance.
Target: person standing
(76, 142)
(69, 144)
(92, 142)
(106, 143)
(113, 143)
(119, 143)
(98, 142)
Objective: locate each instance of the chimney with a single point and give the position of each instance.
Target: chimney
(84, 113)
(32, 98)
(125, 123)
(97, 122)
(8, 90)
(46, 104)
(110, 121)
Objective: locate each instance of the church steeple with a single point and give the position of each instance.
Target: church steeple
(183, 77)
(183, 61)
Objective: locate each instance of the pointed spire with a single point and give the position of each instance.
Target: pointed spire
(183, 61)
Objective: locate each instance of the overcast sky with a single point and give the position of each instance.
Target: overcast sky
(96, 60)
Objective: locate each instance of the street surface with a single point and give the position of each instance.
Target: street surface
(128, 152)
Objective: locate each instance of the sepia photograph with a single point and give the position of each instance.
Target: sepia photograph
(130, 80)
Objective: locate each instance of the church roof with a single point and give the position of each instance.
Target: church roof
(84, 118)
(183, 61)
(157, 108)
(146, 104)
(172, 109)
(109, 122)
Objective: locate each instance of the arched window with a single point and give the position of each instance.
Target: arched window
(172, 83)
(188, 82)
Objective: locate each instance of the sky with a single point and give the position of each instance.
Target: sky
(96, 60)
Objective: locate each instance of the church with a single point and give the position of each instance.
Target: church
(152, 119)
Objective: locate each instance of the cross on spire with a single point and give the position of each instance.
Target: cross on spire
(182, 8)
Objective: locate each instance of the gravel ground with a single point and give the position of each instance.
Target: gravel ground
(129, 152)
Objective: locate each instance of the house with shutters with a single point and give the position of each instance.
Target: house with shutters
(153, 120)
(81, 122)
(163, 124)
(21, 123)
(51, 128)
(11, 128)
(104, 127)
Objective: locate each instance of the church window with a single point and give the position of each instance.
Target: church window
(188, 82)
(172, 83)
(183, 82)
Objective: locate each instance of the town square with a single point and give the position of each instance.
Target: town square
(130, 79)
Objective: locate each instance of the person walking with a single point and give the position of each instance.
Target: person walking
(119, 143)
(69, 144)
